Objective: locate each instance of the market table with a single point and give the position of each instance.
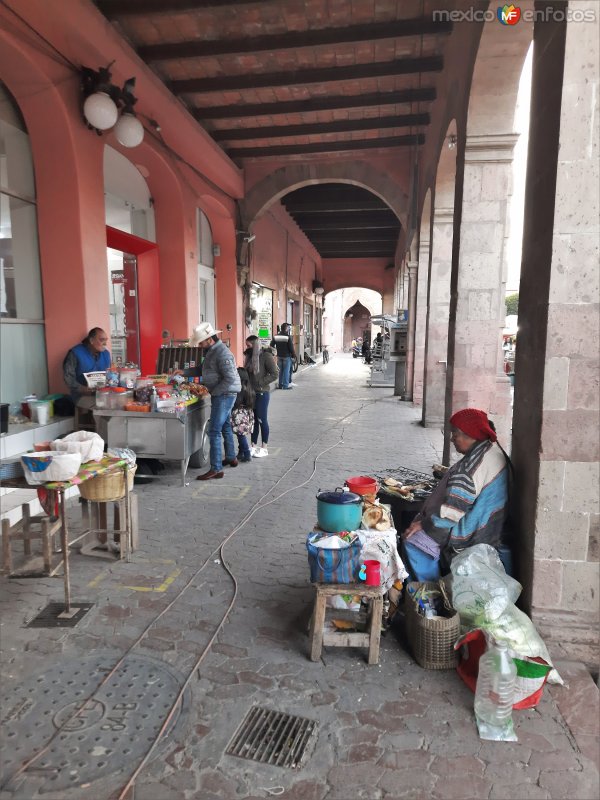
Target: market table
(170, 437)
(89, 470)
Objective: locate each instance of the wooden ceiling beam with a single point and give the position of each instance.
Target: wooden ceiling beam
(134, 8)
(237, 111)
(348, 254)
(292, 40)
(312, 128)
(318, 207)
(325, 147)
(302, 77)
(355, 236)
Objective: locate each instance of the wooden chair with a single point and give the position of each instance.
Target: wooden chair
(28, 528)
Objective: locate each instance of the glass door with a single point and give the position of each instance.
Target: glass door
(123, 306)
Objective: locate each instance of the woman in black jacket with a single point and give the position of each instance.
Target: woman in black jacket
(263, 373)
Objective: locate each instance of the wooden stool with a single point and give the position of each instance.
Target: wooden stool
(95, 518)
(28, 528)
(369, 639)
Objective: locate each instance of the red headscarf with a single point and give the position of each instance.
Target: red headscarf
(474, 423)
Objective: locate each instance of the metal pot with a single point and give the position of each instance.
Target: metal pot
(339, 511)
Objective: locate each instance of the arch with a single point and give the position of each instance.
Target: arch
(337, 304)
(68, 170)
(294, 176)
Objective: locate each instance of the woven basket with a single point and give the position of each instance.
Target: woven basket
(107, 487)
(431, 640)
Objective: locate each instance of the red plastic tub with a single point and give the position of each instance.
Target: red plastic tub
(362, 484)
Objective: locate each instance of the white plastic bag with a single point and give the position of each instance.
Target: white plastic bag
(50, 466)
(481, 589)
(381, 546)
(89, 445)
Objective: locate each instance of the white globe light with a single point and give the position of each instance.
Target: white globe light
(129, 130)
(100, 111)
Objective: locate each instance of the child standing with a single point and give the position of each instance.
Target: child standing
(242, 415)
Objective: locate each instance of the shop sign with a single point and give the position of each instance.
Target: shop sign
(117, 277)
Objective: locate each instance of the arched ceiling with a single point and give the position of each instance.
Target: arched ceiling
(344, 221)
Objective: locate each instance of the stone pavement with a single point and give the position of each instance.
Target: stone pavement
(387, 731)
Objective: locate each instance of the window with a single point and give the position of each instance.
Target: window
(23, 347)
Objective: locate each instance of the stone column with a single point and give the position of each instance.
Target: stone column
(556, 430)
(479, 380)
(438, 306)
(412, 271)
(420, 322)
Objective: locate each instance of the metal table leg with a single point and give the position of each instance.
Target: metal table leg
(184, 466)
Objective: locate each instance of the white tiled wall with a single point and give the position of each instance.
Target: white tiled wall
(21, 438)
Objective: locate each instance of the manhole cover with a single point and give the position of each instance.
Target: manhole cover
(272, 737)
(113, 731)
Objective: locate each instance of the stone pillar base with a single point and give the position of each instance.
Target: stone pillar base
(569, 635)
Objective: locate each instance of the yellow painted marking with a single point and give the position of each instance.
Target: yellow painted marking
(163, 586)
(236, 493)
(106, 572)
(98, 579)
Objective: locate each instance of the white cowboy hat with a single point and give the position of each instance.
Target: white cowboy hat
(201, 333)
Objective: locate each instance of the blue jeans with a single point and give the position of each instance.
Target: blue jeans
(261, 423)
(243, 447)
(285, 371)
(220, 425)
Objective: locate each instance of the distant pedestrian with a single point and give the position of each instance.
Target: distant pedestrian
(284, 345)
(263, 373)
(242, 415)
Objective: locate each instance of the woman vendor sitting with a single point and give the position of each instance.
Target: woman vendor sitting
(469, 505)
(90, 355)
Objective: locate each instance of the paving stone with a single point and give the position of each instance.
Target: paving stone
(408, 783)
(468, 788)
(569, 784)
(349, 776)
(557, 761)
(522, 791)
(306, 790)
(509, 773)
(460, 765)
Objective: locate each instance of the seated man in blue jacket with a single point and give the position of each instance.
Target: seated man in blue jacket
(90, 355)
(220, 376)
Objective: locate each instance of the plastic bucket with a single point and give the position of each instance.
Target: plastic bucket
(362, 484)
(373, 577)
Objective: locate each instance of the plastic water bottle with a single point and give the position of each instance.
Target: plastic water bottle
(495, 687)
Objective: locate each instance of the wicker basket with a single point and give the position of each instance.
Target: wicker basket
(431, 640)
(107, 487)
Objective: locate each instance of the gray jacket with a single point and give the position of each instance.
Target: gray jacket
(219, 373)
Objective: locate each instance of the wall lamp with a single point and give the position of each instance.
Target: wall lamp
(247, 237)
(107, 106)
(452, 140)
(318, 287)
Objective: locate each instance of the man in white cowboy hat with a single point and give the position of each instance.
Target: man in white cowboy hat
(220, 376)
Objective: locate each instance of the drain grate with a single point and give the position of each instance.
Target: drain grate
(272, 737)
(49, 617)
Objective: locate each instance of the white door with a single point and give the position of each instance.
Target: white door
(206, 294)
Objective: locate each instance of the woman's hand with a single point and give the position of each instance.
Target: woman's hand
(414, 526)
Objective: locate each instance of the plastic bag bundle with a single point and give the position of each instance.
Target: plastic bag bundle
(484, 596)
(124, 453)
(481, 589)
